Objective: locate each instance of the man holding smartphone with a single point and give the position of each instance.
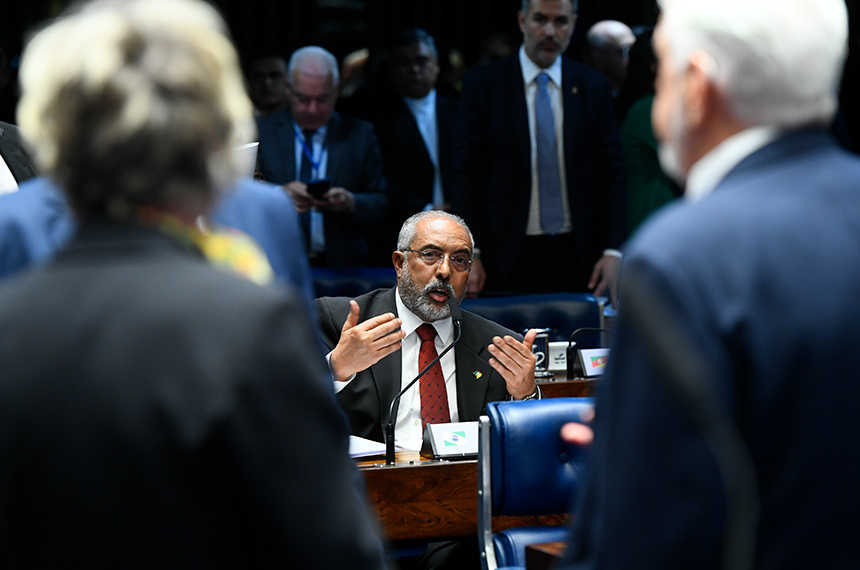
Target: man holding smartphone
(329, 164)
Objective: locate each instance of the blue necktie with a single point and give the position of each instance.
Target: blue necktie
(549, 179)
(305, 167)
(311, 221)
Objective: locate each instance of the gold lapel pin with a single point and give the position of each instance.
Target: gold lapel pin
(574, 90)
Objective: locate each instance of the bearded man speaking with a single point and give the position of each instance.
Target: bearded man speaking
(379, 341)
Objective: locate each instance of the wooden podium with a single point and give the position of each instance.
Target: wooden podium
(419, 499)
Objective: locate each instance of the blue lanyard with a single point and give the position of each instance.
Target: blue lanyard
(306, 149)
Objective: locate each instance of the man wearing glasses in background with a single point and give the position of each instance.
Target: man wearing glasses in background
(374, 340)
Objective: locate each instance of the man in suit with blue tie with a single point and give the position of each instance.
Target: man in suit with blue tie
(538, 171)
(310, 142)
(753, 459)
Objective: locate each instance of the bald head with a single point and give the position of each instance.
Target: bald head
(609, 43)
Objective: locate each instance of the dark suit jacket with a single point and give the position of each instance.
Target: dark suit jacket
(158, 413)
(762, 278)
(354, 163)
(12, 151)
(408, 168)
(492, 163)
(366, 399)
(36, 222)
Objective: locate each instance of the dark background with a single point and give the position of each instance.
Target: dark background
(461, 28)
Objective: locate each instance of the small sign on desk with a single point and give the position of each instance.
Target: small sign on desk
(457, 440)
(593, 361)
(558, 356)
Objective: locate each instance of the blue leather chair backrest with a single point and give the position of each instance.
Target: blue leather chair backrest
(563, 313)
(511, 544)
(533, 471)
(352, 281)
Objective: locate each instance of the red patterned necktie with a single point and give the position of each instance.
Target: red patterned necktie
(434, 397)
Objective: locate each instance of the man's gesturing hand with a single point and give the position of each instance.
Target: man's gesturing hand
(363, 345)
(515, 361)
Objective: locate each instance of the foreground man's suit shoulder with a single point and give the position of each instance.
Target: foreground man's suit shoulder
(762, 276)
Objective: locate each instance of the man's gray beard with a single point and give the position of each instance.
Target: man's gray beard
(670, 163)
(667, 151)
(416, 299)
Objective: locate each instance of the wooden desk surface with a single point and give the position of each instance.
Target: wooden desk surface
(561, 388)
(419, 499)
(545, 556)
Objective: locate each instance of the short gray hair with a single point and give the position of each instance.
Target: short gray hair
(410, 226)
(135, 102)
(778, 62)
(314, 60)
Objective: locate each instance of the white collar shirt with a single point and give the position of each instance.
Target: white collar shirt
(8, 184)
(424, 112)
(319, 165)
(408, 430)
(709, 170)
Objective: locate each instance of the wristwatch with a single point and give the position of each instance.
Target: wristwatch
(533, 396)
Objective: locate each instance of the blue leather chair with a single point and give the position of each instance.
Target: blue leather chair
(563, 313)
(525, 469)
(351, 281)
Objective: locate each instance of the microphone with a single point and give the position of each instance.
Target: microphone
(570, 360)
(457, 318)
(456, 312)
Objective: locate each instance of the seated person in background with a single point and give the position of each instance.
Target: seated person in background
(157, 411)
(309, 141)
(415, 127)
(15, 164)
(376, 338)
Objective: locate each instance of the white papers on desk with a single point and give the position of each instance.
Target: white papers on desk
(360, 447)
(246, 158)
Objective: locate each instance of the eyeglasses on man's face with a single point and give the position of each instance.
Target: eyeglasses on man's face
(430, 257)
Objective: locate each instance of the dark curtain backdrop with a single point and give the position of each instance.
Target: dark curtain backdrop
(471, 30)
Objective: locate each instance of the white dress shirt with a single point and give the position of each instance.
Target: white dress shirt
(319, 152)
(408, 432)
(8, 184)
(530, 73)
(424, 112)
(714, 166)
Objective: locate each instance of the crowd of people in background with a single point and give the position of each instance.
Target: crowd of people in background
(448, 146)
(161, 405)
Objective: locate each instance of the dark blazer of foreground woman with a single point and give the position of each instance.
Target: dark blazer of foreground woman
(156, 412)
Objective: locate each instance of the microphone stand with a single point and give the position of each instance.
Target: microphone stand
(457, 318)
